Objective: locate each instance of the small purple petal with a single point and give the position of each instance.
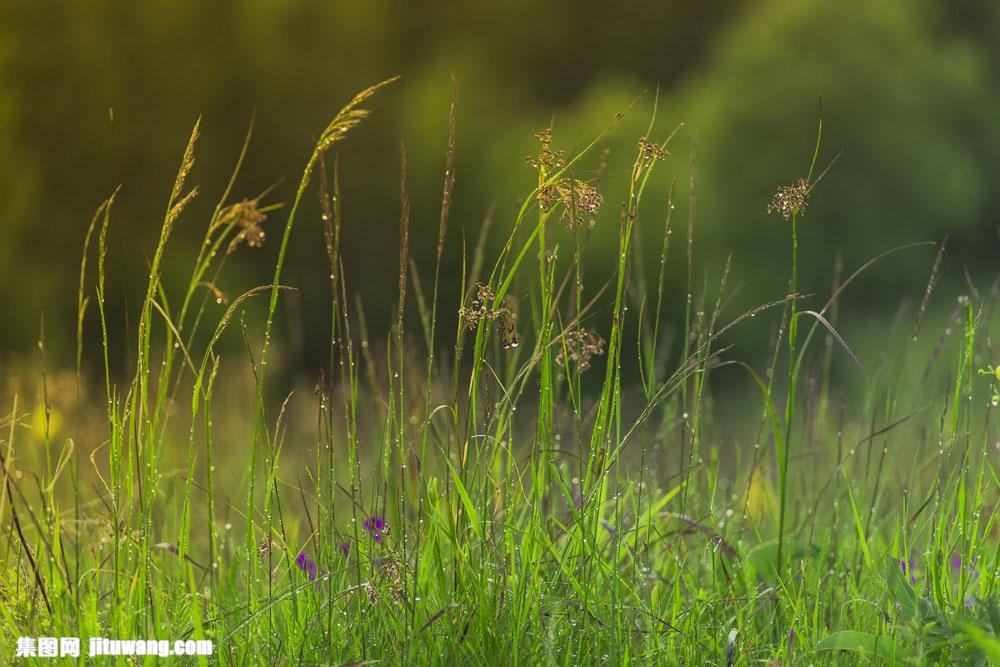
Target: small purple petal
(345, 549)
(956, 562)
(969, 602)
(905, 565)
(307, 566)
(374, 526)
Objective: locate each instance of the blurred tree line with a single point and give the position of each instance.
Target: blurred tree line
(97, 93)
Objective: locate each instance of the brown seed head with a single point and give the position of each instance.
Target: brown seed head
(652, 151)
(579, 200)
(789, 200)
(548, 159)
(480, 307)
(579, 345)
(248, 219)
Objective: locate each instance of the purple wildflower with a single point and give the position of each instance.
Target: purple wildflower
(908, 563)
(345, 549)
(958, 564)
(375, 526)
(791, 639)
(309, 567)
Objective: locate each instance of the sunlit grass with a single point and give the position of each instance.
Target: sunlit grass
(544, 486)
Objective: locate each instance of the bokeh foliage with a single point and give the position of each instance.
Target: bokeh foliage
(100, 93)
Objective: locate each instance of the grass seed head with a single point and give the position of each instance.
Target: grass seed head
(549, 158)
(580, 201)
(578, 348)
(480, 307)
(247, 217)
(790, 200)
(652, 151)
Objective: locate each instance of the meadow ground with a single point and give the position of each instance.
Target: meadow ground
(554, 479)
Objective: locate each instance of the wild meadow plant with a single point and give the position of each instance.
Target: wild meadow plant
(552, 489)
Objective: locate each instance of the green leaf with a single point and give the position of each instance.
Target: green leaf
(987, 644)
(865, 643)
(909, 603)
(763, 558)
(470, 509)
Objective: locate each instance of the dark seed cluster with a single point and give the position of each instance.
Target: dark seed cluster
(579, 345)
(790, 199)
(480, 307)
(248, 220)
(549, 158)
(579, 200)
(652, 151)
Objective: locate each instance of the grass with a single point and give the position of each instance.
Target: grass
(531, 490)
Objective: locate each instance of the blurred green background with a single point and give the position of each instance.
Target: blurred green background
(102, 92)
